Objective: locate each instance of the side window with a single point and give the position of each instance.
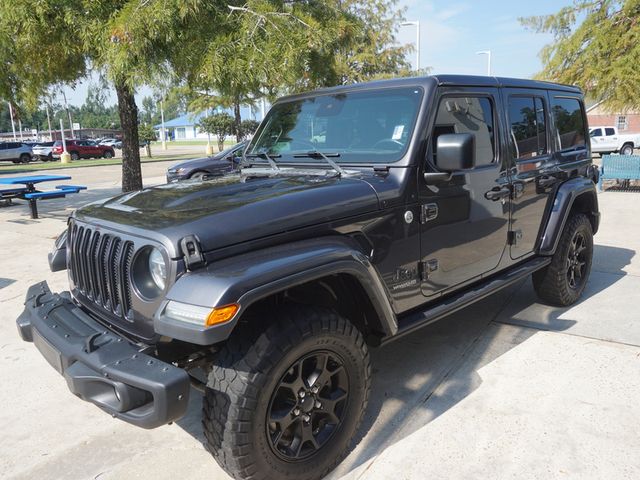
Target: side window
(596, 132)
(527, 122)
(467, 115)
(609, 132)
(569, 119)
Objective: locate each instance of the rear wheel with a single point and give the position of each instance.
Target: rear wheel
(25, 158)
(75, 156)
(286, 403)
(564, 280)
(108, 154)
(627, 149)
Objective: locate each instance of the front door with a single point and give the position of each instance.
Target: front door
(465, 220)
(528, 119)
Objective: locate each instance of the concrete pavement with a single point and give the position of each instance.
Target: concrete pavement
(507, 388)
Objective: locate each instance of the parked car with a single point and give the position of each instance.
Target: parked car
(82, 149)
(267, 288)
(112, 142)
(214, 165)
(17, 152)
(43, 151)
(605, 140)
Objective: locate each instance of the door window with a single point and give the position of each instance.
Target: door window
(467, 115)
(596, 132)
(609, 132)
(569, 119)
(527, 126)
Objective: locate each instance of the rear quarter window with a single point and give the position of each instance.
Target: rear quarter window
(569, 118)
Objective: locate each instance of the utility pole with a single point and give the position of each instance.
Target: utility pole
(417, 25)
(64, 96)
(20, 127)
(13, 124)
(49, 122)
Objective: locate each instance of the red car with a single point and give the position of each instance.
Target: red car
(83, 149)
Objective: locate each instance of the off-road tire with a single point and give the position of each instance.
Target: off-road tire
(552, 283)
(246, 376)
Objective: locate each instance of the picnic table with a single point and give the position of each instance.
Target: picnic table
(29, 191)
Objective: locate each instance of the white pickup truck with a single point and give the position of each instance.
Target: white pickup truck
(606, 140)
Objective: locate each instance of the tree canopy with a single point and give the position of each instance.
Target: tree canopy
(596, 46)
(220, 124)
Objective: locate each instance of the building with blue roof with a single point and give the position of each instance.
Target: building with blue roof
(185, 126)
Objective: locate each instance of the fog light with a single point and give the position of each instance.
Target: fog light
(201, 316)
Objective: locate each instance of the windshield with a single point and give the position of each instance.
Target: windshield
(373, 126)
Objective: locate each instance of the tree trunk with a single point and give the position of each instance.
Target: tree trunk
(128, 112)
(238, 119)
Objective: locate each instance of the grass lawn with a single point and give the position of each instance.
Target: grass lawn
(177, 143)
(12, 168)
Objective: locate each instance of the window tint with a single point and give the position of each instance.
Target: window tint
(609, 131)
(467, 115)
(569, 118)
(596, 132)
(528, 126)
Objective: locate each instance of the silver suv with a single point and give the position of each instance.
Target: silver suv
(17, 152)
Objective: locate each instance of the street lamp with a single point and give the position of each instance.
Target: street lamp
(488, 54)
(417, 24)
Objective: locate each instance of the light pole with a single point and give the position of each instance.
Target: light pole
(488, 54)
(13, 124)
(164, 137)
(417, 24)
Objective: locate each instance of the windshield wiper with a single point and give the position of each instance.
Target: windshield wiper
(267, 157)
(318, 154)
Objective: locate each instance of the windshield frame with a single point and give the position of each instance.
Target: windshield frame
(295, 157)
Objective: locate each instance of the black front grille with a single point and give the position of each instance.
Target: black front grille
(100, 265)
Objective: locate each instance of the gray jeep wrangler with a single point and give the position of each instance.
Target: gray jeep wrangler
(359, 214)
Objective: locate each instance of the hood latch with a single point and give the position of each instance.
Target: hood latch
(193, 257)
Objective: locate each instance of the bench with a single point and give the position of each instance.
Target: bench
(619, 167)
(61, 191)
(8, 193)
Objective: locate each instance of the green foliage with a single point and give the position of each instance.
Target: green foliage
(221, 125)
(248, 127)
(596, 46)
(147, 134)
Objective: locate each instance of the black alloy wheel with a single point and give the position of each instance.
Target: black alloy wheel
(307, 406)
(577, 261)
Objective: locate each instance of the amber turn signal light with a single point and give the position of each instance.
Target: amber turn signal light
(221, 314)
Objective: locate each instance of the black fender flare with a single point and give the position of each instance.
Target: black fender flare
(252, 276)
(566, 197)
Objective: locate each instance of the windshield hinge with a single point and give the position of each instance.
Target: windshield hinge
(192, 254)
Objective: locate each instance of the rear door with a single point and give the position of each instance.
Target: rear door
(528, 120)
(464, 220)
(611, 139)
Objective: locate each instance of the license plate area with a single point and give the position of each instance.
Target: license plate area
(48, 351)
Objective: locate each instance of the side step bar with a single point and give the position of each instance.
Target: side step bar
(458, 301)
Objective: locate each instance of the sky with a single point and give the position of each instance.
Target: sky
(451, 34)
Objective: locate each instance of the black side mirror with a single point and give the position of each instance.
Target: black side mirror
(454, 152)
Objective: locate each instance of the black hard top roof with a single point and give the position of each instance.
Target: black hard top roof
(448, 80)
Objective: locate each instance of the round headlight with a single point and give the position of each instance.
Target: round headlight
(157, 268)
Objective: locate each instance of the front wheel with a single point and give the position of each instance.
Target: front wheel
(108, 154)
(286, 403)
(563, 281)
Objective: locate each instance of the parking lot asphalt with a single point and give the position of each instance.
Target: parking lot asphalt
(507, 388)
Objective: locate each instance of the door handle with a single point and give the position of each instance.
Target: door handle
(498, 193)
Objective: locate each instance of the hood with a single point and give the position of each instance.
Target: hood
(231, 209)
(208, 162)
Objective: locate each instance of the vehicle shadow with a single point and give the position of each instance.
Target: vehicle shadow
(420, 377)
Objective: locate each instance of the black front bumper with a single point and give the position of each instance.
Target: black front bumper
(99, 365)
